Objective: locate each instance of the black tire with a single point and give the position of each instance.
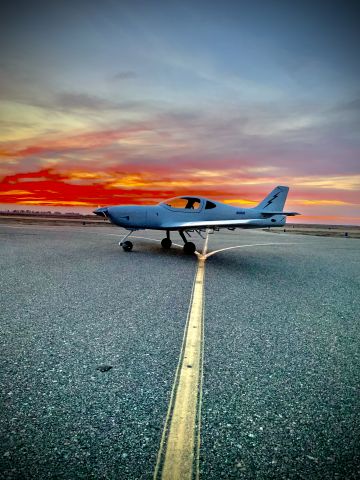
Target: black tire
(127, 246)
(189, 248)
(166, 243)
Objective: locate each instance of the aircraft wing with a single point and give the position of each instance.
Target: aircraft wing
(212, 224)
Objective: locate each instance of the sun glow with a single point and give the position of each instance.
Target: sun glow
(323, 202)
(241, 201)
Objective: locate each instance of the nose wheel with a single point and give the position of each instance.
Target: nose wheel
(127, 246)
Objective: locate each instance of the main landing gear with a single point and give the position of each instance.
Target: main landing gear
(189, 247)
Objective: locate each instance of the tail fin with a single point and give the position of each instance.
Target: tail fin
(275, 201)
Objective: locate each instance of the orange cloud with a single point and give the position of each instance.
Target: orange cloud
(15, 192)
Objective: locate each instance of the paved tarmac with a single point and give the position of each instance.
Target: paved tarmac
(281, 354)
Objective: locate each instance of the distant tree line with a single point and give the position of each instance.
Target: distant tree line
(42, 214)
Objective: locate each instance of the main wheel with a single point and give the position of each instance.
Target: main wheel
(166, 243)
(189, 248)
(127, 246)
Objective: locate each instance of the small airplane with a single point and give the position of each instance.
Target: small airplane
(196, 214)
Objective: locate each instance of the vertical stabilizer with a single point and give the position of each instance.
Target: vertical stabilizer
(275, 201)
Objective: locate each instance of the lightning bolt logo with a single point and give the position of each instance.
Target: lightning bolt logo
(272, 199)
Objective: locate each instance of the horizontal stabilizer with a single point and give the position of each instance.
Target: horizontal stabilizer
(270, 214)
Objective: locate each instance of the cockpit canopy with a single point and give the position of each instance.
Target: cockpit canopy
(188, 203)
(191, 203)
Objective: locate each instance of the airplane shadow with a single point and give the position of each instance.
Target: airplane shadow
(155, 249)
(247, 265)
(230, 261)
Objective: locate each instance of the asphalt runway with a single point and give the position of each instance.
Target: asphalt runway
(280, 379)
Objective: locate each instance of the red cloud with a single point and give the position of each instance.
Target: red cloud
(46, 187)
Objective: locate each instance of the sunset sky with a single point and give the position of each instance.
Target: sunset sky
(131, 102)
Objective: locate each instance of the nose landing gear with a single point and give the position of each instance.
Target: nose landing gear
(126, 244)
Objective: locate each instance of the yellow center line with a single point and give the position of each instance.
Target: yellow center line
(178, 457)
(179, 452)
